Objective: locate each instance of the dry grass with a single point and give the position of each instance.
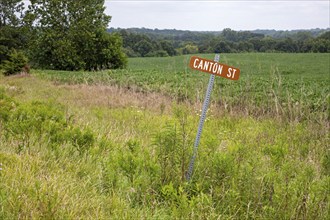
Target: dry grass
(115, 97)
(83, 95)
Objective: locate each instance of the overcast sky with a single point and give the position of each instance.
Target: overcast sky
(217, 15)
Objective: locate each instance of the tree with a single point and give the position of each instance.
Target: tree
(9, 11)
(189, 48)
(10, 38)
(325, 35)
(307, 46)
(168, 47)
(244, 46)
(222, 47)
(229, 35)
(321, 45)
(144, 47)
(286, 45)
(71, 35)
(16, 63)
(11, 35)
(302, 36)
(257, 43)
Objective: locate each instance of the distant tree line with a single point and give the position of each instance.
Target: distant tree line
(147, 42)
(141, 45)
(57, 34)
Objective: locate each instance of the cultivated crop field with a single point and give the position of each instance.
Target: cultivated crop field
(116, 144)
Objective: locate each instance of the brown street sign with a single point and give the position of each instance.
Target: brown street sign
(215, 68)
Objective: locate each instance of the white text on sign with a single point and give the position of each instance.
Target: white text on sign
(215, 68)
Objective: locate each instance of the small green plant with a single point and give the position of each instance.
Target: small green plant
(82, 140)
(172, 147)
(184, 141)
(129, 162)
(166, 143)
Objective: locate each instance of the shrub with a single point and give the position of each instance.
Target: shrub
(30, 120)
(16, 63)
(129, 162)
(82, 140)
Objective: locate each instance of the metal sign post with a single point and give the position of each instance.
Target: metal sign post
(216, 69)
(201, 121)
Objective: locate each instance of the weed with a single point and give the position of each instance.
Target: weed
(81, 140)
(129, 162)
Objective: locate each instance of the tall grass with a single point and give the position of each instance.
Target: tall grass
(245, 169)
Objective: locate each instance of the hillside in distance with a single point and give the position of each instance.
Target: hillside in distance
(315, 32)
(143, 42)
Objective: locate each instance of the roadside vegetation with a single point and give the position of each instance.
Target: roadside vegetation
(116, 144)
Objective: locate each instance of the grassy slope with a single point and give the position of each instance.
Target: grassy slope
(246, 167)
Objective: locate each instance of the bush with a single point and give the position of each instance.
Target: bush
(16, 63)
(38, 122)
(82, 140)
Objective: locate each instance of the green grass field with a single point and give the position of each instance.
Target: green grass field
(117, 144)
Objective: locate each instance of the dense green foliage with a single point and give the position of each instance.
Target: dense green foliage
(146, 42)
(58, 34)
(44, 120)
(12, 37)
(9, 12)
(72, 36)
(74, 151)
(139, 45)
(17, 62)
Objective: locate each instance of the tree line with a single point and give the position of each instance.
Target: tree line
(57, 34)
(147, 42)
